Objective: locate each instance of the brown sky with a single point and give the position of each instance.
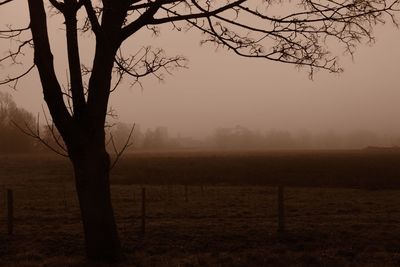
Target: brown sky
(221, 89)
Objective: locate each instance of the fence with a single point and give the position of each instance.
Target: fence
(184, 201)
(141, 208)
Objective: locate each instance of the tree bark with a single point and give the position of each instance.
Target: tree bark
(91, 168)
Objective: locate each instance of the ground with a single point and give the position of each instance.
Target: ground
(342, 208)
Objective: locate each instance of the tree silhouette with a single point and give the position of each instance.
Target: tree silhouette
(297, 32)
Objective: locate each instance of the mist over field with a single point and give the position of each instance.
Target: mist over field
(23, 132)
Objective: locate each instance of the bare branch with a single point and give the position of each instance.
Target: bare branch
(51, 128)
(58, 5)
(11, 33)
(5, 2)
(35, 133)
(92, 16)
(147, 61)
(13, 81)
(120, 152)
(202, 14)
(301, 38)
(43, 59)
(74, 61)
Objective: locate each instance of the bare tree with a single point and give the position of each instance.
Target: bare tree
(298, 33)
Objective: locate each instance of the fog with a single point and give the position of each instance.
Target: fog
(221, 90)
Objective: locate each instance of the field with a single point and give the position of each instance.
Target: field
(342, 208)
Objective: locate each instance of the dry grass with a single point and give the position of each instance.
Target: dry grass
(231, 222)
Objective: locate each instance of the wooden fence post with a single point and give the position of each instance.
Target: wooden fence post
(143, 228)
(281, 210)
(186, 193)
(10, 211)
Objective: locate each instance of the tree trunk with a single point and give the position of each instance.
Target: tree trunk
(93, 188)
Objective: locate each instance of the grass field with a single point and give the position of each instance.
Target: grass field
(342, 209)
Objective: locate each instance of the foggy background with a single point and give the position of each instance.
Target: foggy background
(223, 91)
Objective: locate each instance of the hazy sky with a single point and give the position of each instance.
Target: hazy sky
(221, 89)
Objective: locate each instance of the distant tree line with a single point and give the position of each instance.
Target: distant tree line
(12, 139)
(240, 137)
(18, 126)
(14, 120)
(152, 139)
